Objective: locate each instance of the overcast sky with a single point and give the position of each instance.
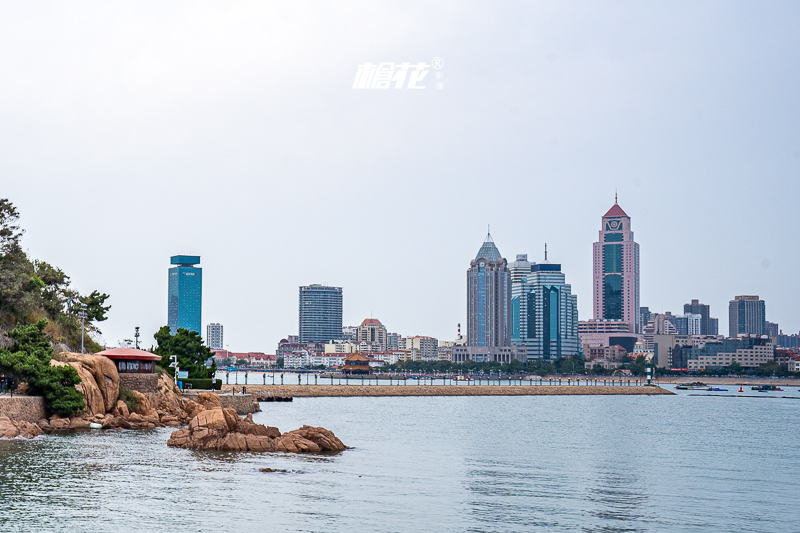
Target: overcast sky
(130, 132)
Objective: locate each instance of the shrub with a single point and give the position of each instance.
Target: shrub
(131, 401)
(199, 383)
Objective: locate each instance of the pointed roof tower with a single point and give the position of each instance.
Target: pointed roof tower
(616, 210)
(489, 251)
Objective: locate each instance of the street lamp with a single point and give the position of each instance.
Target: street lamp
(83, 316)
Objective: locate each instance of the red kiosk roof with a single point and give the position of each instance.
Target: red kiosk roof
(129, 353)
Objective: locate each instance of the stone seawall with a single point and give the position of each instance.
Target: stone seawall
(144, 383)
(301, 391)
(242, 403)
(27, 408)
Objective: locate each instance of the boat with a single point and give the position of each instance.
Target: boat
(695, 385)
(766, 388)
(716, 389)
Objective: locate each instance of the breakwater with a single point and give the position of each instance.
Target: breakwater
(320, 391)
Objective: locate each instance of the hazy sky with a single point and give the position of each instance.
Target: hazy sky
(130, 132)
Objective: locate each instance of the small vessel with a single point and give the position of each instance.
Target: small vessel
(766, 388)
(695, 385)
(716, 389)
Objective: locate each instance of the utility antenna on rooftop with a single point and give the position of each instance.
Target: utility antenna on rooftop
(615, 196)
(545, 251)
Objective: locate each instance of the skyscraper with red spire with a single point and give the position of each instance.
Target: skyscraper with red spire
(616, 271)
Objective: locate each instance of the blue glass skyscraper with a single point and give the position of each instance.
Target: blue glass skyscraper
(185, 293)
(544, 310)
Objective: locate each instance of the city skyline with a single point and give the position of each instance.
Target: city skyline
(268, 148)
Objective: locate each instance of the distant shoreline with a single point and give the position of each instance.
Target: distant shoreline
(325, 391)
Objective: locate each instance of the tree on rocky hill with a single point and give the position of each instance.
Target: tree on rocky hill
(188, 346)
(28, 359)
(32, 290)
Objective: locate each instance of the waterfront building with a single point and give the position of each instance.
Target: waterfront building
(746, 316)
(616, 271)
(486, 354)
(372, 331)
(356, 363)
(185, 296)
(606, 333)
(749, 351)
(544, 311)
(320, 310)
(708, 324)
(214, 336)
(292, 345)
(422, 348)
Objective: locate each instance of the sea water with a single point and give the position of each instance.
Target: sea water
(523, 463)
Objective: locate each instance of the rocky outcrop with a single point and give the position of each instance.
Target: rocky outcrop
(105, 377)
(99, 381)
(17, 428)
(222, 429)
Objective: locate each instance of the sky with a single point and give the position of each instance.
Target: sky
(134, 131)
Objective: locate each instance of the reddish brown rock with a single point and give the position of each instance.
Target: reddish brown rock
(10, 429)
(222, 429)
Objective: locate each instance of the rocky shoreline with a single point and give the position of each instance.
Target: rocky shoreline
(210, 426)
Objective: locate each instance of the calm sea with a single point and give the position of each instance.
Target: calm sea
(539, 463)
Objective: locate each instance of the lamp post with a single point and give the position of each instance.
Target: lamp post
(83, 316)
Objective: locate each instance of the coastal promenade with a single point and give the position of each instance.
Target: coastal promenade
(319, 391)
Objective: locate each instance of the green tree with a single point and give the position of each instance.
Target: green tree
(188, 346)
(28, 359)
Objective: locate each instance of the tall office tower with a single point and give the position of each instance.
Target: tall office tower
(320, 312)
(708, 325)
(488, 298)
(214, 336)
(185, 293)
(544, 311)
(746, 316)
(616, 271)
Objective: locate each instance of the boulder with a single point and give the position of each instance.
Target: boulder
(222, 429)
(209, 400)
(7, 429)
(105, 375)
(10, 429)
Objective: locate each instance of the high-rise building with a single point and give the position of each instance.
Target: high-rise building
(544, 311)
(708, 325)
(688, 324)
(214, 336)
(772, 329)
(746, 316)
(488, 298)
(422, 348)
(320, 310)
(616, 271)
(372, 331)
(185, 293)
